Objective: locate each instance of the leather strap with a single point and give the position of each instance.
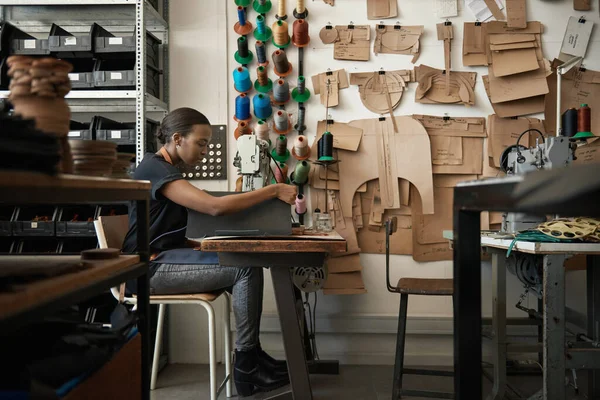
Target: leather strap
(121, 293)
(166, 155)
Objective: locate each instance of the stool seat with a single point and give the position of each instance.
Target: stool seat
(427, 287)
(190, 297)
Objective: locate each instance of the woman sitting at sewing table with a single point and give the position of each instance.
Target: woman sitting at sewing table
(178, 269)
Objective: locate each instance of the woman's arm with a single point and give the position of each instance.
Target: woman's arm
(184, 193)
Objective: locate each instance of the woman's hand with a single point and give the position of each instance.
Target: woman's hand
(286, 192)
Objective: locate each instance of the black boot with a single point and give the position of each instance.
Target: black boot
(251, 376)
(279, 366)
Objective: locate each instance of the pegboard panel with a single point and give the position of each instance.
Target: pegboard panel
(213, 166)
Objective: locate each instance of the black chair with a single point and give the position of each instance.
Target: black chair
(414, 286)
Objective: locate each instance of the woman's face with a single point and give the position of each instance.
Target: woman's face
(194, 146)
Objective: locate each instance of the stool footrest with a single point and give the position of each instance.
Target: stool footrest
(426, 393)
(430, 372)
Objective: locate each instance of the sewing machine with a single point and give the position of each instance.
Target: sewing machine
(253, 163)
(553, 152)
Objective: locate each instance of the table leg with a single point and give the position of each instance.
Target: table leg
(467, 304)
(290, 329)
(593, 307)
(143, 294)
(554, 327)
(499, 324)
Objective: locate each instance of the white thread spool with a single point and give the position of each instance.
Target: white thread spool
(262, 130)
(301, 146)
(281, 10)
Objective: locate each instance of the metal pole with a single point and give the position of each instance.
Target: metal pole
(140, 81)
(559, 72)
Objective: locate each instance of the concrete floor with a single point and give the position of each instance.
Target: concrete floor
(365, 382)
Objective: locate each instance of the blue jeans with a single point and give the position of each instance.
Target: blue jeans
(245, 284)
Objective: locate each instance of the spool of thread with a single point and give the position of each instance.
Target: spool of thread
(282, 123)
(325, 147)
(243, 26)
(281, 173)
(281, 36)
(300, 36)
(281, 14)
(242, 108)
(281, 64)
(569, 122)
(262, 31)
(300, 6)
(242, 129)
(301, 172)
(262, 6)
(300, 127)
(262, 106)
(281, 92)
(300, 93)
(243, 55)
(261, 53)
(241, 80)
(281, 146)
(263, 84)
(300, 204)
(584, 119)
(301, 149)
(262, 130)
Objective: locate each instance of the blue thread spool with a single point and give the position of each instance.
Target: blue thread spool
(242, 108)
(262, 31)
(241, 80)
(261, 53)
(262, 106)
(242, 26)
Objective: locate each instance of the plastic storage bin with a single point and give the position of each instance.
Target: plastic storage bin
(30, 221)
(36, 246)
(116, 132)
(6, 215)
(80, 130)
(122, 45)
(67, 45)
(23, 43)
(76, 221)
(82, 76)
(120, 74)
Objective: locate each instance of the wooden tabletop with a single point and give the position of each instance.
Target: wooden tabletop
(23, 179)
(45, 291)
(308, 243)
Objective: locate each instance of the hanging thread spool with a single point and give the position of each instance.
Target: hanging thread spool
(584, 122)
(242, 108)
(281, 173)
(280, 152)
(262, 6)
(261, 53)
(300, 174)
(281, 36)
(263, 84)
(281, 14)
(569, 122)
(241, 80)
(281, 65)
(300, 36)
(301, 94)
(262, 106)
(281, 92)
(282, 123)
(262, 31)
(242, 3)
(262, 131)
(242, 129)
(243, 55)
(300, 12)
(300, 127)
(300, 204)
(301, 151)
(325, 147)
(243, 26)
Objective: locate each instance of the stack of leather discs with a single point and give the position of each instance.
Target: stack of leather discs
(122, 166)
(37, 91)
(93, 157)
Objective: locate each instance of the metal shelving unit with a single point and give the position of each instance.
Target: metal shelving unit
(36, 16)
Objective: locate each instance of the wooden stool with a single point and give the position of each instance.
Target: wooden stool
(414, 286)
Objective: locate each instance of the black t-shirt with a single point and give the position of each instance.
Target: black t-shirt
(168, 220)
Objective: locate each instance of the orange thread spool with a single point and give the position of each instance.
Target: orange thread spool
(300, 30)
(263, 76)
(242, 129)
(584, 119)
(281, 36)
(281, 173)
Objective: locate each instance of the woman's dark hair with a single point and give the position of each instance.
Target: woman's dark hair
(181, 120)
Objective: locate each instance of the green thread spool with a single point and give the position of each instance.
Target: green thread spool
(301, 172)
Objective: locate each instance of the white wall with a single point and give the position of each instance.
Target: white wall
(354, 328)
